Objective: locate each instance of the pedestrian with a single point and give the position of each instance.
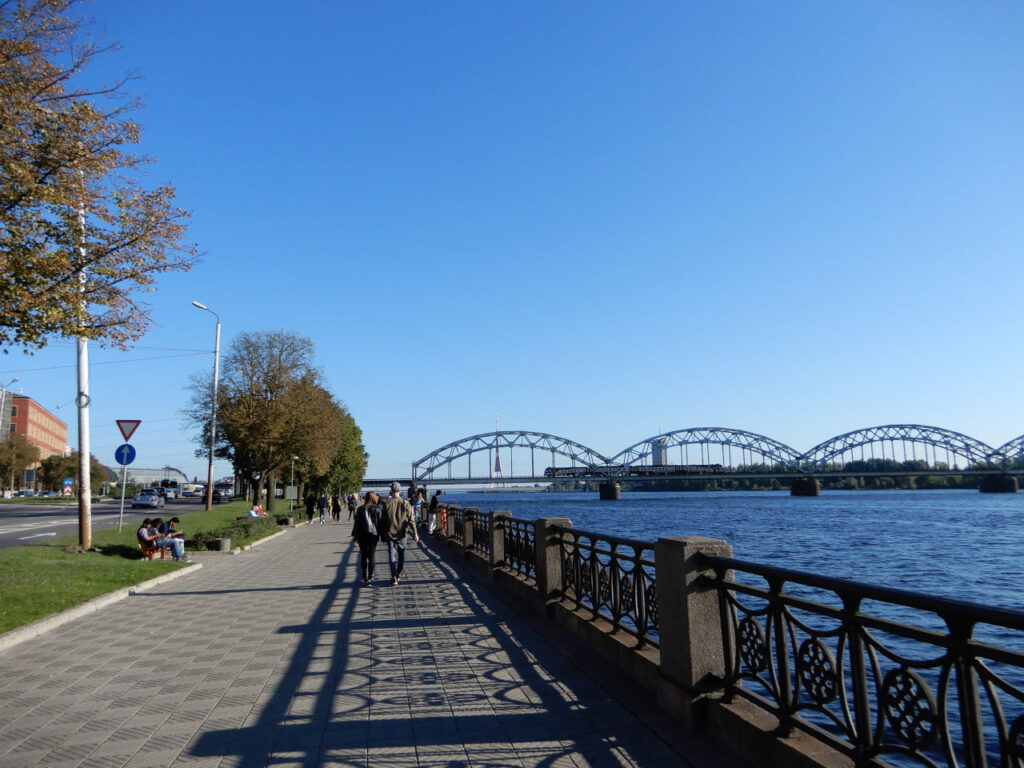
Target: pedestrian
(335, 508)
(353, 502)
(395, 524)
(321, 505)
(435, 501)
(417, 506)
(310, 506)
(365, 532)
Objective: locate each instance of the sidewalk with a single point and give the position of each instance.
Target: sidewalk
(275, 657)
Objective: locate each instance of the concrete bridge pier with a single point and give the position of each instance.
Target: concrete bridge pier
(999, 484)
(805, 486)
(610, 491)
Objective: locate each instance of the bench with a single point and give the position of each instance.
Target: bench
(151, 549)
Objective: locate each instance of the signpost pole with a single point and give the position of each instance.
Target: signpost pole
(124, 480)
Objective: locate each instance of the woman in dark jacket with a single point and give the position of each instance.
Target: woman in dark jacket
(364, 531)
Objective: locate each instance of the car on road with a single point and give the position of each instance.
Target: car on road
(218, 497)
(147, 498)
(155, 492)
(49, 494)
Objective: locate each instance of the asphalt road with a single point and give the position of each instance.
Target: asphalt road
(27, 523)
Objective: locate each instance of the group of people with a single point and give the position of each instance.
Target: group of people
(390, 521)
(322, 504)
(158, 533)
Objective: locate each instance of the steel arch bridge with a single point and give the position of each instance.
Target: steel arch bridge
(1012, 451)
(955, 445)
(490, 442)
(748, 445)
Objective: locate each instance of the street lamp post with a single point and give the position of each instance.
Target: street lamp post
(213, 404)
(292, 483)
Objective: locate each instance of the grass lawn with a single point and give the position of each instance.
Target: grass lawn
(38, 580)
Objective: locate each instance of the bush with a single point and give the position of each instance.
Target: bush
(240, 530)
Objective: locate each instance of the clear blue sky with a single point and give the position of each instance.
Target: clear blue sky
(601, 220)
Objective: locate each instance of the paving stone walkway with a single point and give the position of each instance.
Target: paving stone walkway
(277, 657)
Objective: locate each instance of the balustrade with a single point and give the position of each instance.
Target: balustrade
(877, 674)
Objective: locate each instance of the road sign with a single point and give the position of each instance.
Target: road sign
(127, 427)
(68, 482)
(67, 491)
(125, 454)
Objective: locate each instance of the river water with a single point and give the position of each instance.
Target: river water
(963, 545)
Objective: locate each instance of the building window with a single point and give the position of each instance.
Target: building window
(14, 411)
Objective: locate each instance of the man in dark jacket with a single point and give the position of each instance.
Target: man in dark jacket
(396, 522)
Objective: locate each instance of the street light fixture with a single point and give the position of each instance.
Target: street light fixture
(292, 483)
(213, 404)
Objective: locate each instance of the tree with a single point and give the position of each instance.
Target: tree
(272, 406)
(80, 237)
(16, 455)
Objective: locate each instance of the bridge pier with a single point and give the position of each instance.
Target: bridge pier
(999, 484)
(805, 486)
(610, 491)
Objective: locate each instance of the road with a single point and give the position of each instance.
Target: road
(27, 523)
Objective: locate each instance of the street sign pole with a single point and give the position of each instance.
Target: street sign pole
(124, 479)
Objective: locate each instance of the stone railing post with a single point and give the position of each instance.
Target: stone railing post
(498, 518)
(449, 523)
(549, 558)
(689, 622)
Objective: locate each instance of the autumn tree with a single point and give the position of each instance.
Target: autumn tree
(16, 455)
(271, 406)
(80, 237)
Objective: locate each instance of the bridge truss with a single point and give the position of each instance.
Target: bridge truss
(737, 451)
(956, 449)
(734, 447)
(512, 445)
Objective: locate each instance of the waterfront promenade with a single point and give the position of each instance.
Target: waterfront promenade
(276, 657)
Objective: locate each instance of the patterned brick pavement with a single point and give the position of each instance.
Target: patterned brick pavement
(276, 657)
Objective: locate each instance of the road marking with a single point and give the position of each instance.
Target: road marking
(36, 536)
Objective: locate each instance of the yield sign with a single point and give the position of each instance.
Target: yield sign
(127, 427)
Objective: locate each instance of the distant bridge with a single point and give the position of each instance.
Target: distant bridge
(512, 457)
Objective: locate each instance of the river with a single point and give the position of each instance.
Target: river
(964, 545)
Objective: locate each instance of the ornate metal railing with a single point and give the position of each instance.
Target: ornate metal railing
(614, 578)
(836, 659)
(481, 522)
(455, 515)
(520, 546)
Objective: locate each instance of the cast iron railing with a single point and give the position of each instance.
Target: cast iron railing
(455, 516)
(520, 546)
(614, 578)
(837, 659)
(481, 523)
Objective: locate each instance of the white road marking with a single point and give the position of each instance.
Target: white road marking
(36, 536)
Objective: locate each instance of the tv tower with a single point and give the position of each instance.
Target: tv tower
(496, 473)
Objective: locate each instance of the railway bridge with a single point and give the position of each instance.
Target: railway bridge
(515, 457)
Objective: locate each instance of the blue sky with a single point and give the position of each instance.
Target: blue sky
(599, 220)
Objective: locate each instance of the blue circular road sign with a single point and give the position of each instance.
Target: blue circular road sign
(125, 454)
(68, 481)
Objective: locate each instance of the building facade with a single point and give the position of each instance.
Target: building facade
(39, 426)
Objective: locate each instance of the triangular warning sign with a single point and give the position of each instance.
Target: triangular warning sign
(127, 427)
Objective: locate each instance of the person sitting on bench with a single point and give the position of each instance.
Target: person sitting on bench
(150, 537)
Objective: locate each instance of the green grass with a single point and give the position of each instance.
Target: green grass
(39, 580)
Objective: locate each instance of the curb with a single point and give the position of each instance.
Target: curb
(36, 628)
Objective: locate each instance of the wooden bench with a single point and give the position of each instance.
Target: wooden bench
(151, 549)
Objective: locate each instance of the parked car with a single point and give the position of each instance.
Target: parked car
(147, 498)
(218, 497)
(50, 494)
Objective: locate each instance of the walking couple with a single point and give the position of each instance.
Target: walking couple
(390, 522)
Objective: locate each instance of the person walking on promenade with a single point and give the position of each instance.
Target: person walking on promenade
(310, 506)
(353, 502)
(432, 510)
(365, 532)
(335, 508)
(417, 506)
(321, 505)
(396, 522)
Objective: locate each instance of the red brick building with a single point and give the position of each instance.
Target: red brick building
(41, 427)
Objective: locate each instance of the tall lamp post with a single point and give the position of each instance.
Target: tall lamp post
(213, 404)
(292, 483)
